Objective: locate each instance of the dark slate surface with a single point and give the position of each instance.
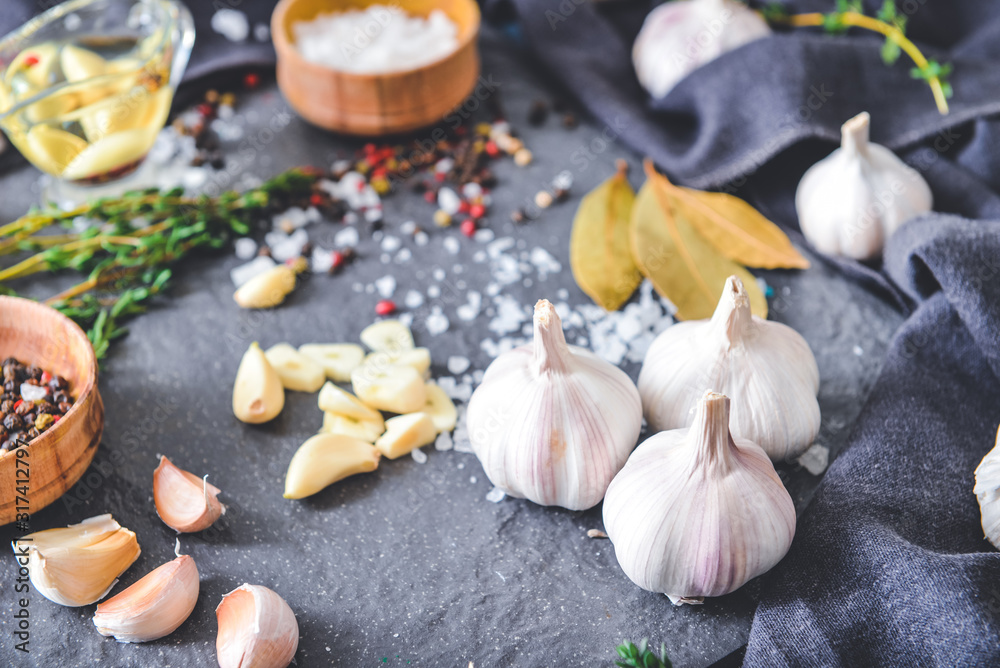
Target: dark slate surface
(409, 565)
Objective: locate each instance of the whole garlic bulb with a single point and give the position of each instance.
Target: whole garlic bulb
(987, 490)
(678, 37)
(850, 202)
(551, 422)
(696, 512)
(766, 367)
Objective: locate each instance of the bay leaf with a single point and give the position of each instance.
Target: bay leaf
(600, 254)
(736, 229)
(682, 265)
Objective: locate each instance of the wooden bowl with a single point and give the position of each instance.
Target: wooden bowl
(376, 104)
(40, 335)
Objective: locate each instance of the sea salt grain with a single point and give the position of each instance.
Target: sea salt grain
(255, 267)
(437, 322)
(457, 365)
(413, 299)
(231, 24)
(385, 286)
(495, 495)
(419, 456)
(245, 248)
(452, 246)
(443, 441)
(815, 459)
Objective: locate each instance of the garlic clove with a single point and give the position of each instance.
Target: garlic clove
(296, 371)
(766, 367)
(332, 399)
(405, 433)
(440, 408)
(325, 459)
(696, 512)
(418, 358)
(185, 502)
(365, 430)
(266, 290)
(987, 491)
(257, 629)
(79, 564)
(387, 336)
(852, 201)
(337, 359)
(395, 388)
(154, 606)
(258, 395)
(80, 64)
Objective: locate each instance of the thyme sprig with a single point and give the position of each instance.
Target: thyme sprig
(642, 657)
(887, 22)
(132, 242)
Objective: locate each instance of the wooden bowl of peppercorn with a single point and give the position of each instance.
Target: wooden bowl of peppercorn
(56, 350)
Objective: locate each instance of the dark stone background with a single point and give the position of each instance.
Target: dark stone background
(409, 565)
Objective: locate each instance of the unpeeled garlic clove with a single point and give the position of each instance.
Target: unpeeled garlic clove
(185, 502)
(337, 359)
(257, 629)
(395, 388)
(325, 459)
(696, 512)
(258, 395)
(364, 430)
(332, 399)
(440, 408)
(266, 290)
(296, 371)
(389, 336)
(405, 433)
(987, 491)
(79, 564)
(154, 606)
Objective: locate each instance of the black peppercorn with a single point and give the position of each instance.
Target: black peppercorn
(13, 422)
(538, 112)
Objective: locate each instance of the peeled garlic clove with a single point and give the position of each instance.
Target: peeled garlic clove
(405, 433)
(766, 367)
(337, 359)
(679, 37)
(79, 564)
(696, 512)
(389, 336)
(296, 371)
(154, 606)
(110, 152)
(185, 502)
(323, 460)
(851, 202)
(395, 388)
(365, 430)
(257, 629)
(553, 423)
(987, 490)
(440, 408)
(332, 399)
(418, 358)
(258, 395)
(266, 290)
(52, 149)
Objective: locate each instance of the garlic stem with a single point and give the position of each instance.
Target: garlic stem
(733, 315)
(711, 428)
(854, 134)
(550, 350)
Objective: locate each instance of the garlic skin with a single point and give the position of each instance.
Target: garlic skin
(154, 606)
(678, 37)
(987, 491)
(766, 367)
(185, 502)
(553, 423)
(851, 202)
(79, 564)
(696, 512)
(257, 629)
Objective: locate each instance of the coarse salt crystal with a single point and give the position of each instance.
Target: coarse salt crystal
(404, 255)
(563, 180)
(470, 310)
(437, 322)
(444, 165)
(472, 190)
(419, 456)
(544, 262)
(346, 237)
(452, 246)
(33, 392)
(433, 292)
(438, 274)
(408, 227)
(391, 243)
(320, 261)
(443, 441)
(231, 24)
(484, 235)
(413, 299)
(495, 495)
(386, 286)
(245, 248)
(449, 201)
(243, 273)
(815, 459)
(421, 238)
(457, 365)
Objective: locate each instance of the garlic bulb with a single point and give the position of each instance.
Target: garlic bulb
(185, 502)
(766, 367)
(987, 490)
(678, 37)
(553, 423)
(696, 512)
(850, 202)
(257, 629)
(79, 564)
(154, 606)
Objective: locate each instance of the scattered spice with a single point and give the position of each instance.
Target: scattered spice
(385, 307)
(538, 113)
(32, 401)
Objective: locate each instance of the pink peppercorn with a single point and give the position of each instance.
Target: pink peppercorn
(385, 307)
(468, 227)
(477, 210)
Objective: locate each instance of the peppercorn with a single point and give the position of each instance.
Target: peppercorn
(517, 216)
(13, 422)
(477, 210)
(24, 408)
(64, 407)
(44, 421)
(33, 433)
(569, 121)
(561, 194)
(468, 227)
(543, 199)
(442, 218)
(538, 112)
(6, 406)
(385, 307)
(264, 251)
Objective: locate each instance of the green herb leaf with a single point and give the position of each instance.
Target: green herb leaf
(642, 657)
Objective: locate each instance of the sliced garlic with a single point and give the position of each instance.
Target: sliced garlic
(258, 395)
(395, 388)
(154, 606)
(404, 433)
(418, 358)
(332, 399)
(389, 336)
(185, 502)
(257, 629)
(111, 152)
(323, 460)
(296, 371)
(79, 564)
(440, 408)
(337, 359)
(266, 290)
(365, 430)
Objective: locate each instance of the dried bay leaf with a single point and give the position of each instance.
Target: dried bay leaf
(599, 247)
(682, 265)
